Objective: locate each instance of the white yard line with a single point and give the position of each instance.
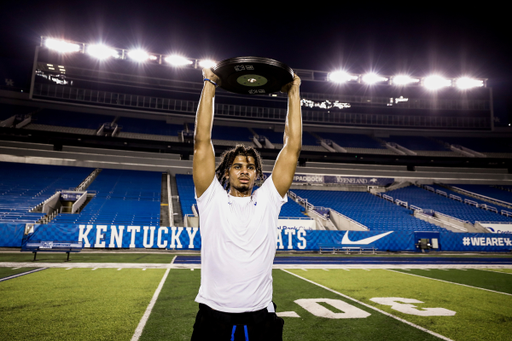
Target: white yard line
(145, 317)
(444, 281)
(371, 307)
(496, 272)
(22, 274)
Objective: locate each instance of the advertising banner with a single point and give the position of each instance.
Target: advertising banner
(298, 237)
(340, 179)
(498, 228)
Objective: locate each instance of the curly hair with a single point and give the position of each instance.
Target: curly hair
(229, 156)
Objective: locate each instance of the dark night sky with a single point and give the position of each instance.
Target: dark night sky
(317, 35)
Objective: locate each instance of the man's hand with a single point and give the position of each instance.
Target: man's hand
(293, 84)
(208, 73)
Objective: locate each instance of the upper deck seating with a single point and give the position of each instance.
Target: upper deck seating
(144, 126)
(70, 119)
(496, 145)
(352, 140)
(416, 143)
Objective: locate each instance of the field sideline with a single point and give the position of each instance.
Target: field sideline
(145, 296)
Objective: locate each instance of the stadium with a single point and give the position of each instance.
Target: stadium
(398, 223)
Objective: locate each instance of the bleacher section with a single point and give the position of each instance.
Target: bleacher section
(123, 197)
(147, 129)
(185, 185)
(416, 143)
(241, 134)
(24, 186)
(292, 210)
(427, 200)
(153, 127)
(488, 191)
(82, 122)
(353, 140)
(367, 209)
(483, 145)
(309, 142)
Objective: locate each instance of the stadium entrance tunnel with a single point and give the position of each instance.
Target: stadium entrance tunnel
(426, 241)
(70, 202)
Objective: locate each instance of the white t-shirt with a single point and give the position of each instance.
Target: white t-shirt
(238, 237)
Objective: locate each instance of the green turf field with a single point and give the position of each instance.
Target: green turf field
(320, 304)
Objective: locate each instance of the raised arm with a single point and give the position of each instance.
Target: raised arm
(203, 166)
(286, 162)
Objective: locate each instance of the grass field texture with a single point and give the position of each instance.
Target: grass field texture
(327, 304)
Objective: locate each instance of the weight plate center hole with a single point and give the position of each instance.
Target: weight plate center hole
(252, 80)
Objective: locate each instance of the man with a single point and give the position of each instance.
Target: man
(239, 227)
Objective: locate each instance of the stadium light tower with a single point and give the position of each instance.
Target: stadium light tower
(436, 82)
(342, 77)
(61, 45)
(176, 60)
(373, 78)
(207, 63)
(141, 56)
(465, 83)
(404, 80)
(101, 51)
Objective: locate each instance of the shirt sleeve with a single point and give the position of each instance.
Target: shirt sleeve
(269, 187)
(209, 194)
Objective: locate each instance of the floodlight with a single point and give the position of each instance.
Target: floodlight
(101, 51)
(61, 45)
(138, 55)
(404, 80)
(372, 78)
(207, 63)
(341, 77)
(436, 82)
(468, 83)
(176, 60)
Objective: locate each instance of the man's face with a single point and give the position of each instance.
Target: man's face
(241, 175)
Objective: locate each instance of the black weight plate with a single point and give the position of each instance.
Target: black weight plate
(253, 75)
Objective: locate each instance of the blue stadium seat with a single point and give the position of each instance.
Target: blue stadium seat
(367, 209)
(427, 200)
(24, 186)
(123, 197)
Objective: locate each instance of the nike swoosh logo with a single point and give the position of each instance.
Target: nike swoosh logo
(365, 241)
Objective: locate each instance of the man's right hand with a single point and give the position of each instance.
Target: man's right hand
(208, 73)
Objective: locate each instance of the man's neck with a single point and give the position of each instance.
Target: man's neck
(235, 193)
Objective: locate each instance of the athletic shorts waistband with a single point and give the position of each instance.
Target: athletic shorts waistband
(251, 317)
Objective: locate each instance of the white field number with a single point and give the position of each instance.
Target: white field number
(404, 305)
(348, 311)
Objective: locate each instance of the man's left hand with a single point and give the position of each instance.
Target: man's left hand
(293, 84)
